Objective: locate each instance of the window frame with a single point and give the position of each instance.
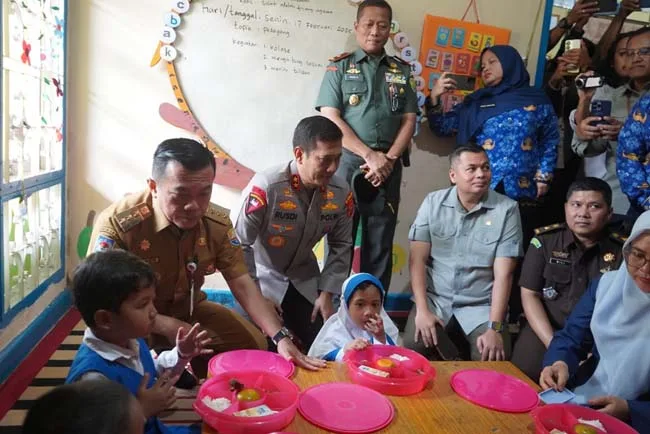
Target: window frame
(31, 185)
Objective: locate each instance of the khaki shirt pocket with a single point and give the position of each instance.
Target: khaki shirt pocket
(483, 247)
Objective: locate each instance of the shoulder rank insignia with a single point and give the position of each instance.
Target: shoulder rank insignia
(402, 61)
(551, 228)
(218, 214)
(619, 238)
(340, 56)
(133, 216)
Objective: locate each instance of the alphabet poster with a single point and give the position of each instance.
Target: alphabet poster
(455, 46)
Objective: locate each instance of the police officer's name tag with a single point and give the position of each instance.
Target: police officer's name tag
(559, 261)
(395, 78)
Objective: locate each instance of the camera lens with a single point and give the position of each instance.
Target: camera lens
(580, 82)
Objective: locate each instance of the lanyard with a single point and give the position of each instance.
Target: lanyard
(191, 267)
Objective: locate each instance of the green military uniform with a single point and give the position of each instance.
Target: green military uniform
(559, 269)
(137, 224)
(373, 93)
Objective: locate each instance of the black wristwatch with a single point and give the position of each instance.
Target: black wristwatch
(564, 24)
(283, 333)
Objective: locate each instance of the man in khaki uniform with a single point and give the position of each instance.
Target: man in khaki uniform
(287, 210)
(173, 226)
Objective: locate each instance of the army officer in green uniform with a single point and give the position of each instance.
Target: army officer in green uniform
(370, 96)
(173, 226)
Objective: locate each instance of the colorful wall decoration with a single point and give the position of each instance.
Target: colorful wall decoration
(455, 47)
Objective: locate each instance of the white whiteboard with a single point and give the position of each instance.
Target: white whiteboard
(251, 69)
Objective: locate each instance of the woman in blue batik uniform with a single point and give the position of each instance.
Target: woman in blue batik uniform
(515, 124)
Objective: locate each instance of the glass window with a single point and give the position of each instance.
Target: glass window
(32, 181)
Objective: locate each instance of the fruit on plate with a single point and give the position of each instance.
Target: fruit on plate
(248, 395)
(581, 428)
(385, 363)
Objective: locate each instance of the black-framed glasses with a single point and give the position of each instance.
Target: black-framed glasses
(643, 52)
(636, 258)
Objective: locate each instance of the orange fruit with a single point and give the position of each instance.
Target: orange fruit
(584, 429)
(248, 395)
(385, 363)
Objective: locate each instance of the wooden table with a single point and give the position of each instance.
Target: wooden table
(437, 409)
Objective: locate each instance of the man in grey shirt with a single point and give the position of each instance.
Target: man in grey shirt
(464, 246)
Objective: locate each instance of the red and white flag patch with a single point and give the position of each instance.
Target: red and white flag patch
(256, 200)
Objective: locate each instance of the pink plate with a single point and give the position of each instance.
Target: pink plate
(250, 360)
(346, 408)
(565, 416)
(494, 390)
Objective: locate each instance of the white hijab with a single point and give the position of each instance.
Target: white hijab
(620, 325)
(339, 329)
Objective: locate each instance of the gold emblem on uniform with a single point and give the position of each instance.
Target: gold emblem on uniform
(530, 108)
(329, 206)
(609, 257)
(488, 144)
(640, 117)
(523, 182)
(203, 242)
(527, 145)
(328, 195)
(145, 245)
(354, 99)
(277, 241)
(562, 255)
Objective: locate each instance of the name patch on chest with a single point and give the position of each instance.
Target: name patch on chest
(286, 215)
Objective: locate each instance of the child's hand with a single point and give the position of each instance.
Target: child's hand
(357, 344)
(191, 344)
(375, 325)
(160, 397)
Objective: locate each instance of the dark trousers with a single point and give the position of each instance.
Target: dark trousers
(296, 314)
(377, 230)
(528, 353)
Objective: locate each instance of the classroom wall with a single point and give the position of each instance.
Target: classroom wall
(114, 97)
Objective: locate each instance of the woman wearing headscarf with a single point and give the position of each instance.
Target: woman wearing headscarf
(360, 321)
(515, 124)
(612, 323)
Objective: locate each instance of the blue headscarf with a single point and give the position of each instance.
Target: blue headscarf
(513, 92)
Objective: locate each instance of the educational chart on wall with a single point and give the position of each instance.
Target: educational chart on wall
(455, 47)
(252, 70)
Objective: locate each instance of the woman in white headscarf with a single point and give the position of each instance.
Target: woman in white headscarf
(361, 320)
(612, 322)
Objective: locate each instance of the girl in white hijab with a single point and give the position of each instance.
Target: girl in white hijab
(612, 322)
(360, 320)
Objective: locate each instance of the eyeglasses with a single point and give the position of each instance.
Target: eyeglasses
(643, 52)
(636, 258)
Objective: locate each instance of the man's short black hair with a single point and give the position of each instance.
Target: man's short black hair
(104, 280)
(374, 4)
(313, 129)
(460, 150)
(592, 184)
(191, 154)
(93, 406)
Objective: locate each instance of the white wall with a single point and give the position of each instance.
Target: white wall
(113, 99)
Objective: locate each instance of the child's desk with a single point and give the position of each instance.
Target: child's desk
(437, 409)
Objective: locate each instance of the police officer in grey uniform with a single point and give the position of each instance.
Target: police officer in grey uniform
(370, 96)
(287, 210)
(560, 262)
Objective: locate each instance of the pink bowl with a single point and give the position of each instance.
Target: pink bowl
(409, 374)
(277, 392)
(565, 416)
(254, 360)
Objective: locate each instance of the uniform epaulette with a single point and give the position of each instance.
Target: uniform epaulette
(218, 214)
(133, 216)
(619, 238)
(551, 228)
(341, 56)
(402, 61)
